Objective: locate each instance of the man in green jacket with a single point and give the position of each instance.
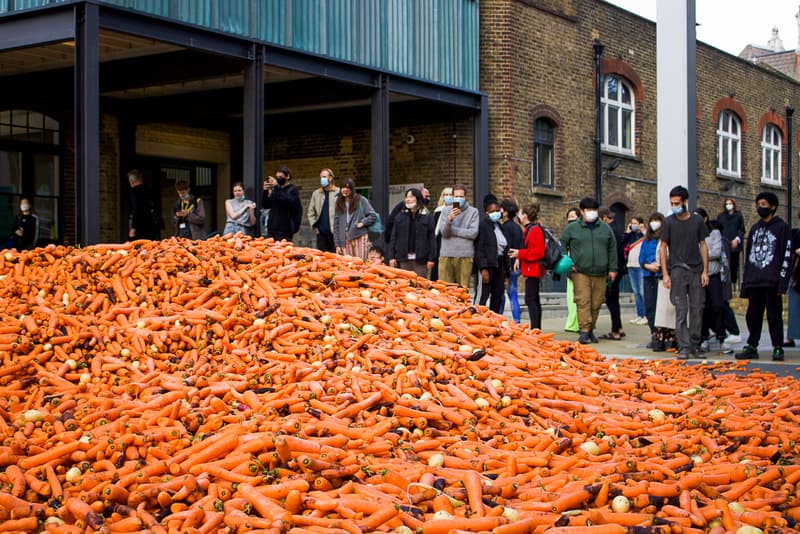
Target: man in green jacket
(593, 249)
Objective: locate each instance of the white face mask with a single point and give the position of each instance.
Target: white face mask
(729, 207)
(655, 225)
(634, 228)
(25, 207)
(411, 205)
(590, 216)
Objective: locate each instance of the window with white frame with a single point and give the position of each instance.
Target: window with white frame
(771, 155)
(618, 115)
(544, 137)
(729, 145)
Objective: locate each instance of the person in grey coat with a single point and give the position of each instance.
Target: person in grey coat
(351, 221)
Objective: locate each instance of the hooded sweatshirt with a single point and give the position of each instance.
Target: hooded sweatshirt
(768, 256)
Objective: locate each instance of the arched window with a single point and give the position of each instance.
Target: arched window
(618, 115)
(30, 167)
(544, 138)
(771, 155)
(729, 145)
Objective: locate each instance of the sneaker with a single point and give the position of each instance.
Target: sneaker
(635, 320)
(642, 320)
(683, 355)
(777, 354)
(584, 338)
(704, 346)
(732, 339)
(593, 338)
(748, 353)
(659, 346)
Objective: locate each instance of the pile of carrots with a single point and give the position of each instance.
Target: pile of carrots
(240, 385)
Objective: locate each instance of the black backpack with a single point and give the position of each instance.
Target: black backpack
(553, 251)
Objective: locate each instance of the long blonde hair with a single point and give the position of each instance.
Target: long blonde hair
(446, 191)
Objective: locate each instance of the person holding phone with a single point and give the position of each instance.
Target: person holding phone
(458, 226)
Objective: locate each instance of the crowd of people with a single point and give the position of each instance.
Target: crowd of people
(682, 267)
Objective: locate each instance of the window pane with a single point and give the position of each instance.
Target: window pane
(626, 93)
(5, 117)
(776, 164)
(45, 175)
(47, 210)
(613, 126)
(50, 124)
(734, 156)
(611, 87)
(19, 117)
(724, 152)
(626, 129)
(5, 131)
(734, 126)
(543, 131)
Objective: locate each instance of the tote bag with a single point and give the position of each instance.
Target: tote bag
(665, 311)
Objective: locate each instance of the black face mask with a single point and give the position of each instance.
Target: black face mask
(764, 212)
(281, 181)
(425, 201)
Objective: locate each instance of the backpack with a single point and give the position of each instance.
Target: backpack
(552, 249)
(375, 229)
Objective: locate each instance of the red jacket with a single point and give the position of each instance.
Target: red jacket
(531, 255)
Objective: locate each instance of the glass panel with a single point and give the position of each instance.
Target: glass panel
(548, 163)
(734, 126)
(5, 117)
(35, 120)
(19, 117)
(734, 156)
(45, 175)
(613, 126)
(10, 186)
(626, 93)
(5, 131)
(47, 210)
(612, 88)
(627, 134)
(776, 164)
(50, 124)
(725, 150)
(543, 131)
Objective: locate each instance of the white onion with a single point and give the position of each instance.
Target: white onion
(436, 460)
(621, 504)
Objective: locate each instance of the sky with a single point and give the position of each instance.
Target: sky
(730, 25)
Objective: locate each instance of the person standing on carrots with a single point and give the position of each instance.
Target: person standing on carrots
(685, 271)
(593, 248)
(767, 270)
(458, 226)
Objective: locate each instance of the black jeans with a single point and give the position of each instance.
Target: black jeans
(713, 311)
(493, 289)
(759, 299)
(612, 301)
(533, 302)
(650, 296)
(325, 242)
(729, 319)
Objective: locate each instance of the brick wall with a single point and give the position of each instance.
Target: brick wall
(537, 54)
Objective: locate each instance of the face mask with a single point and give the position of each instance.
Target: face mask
(590, 216)
(411, 205)
(677, 210)
(25, 207)
(280, 181)
(185, 197)
(571, 220)
(323, 182)
(425, 201)
(495, 216)
(764, 212)
(448, 199)
(655, 225)
(459, 202)
(634, 228)
(729, 207)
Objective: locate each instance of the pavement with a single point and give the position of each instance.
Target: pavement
(633, 345)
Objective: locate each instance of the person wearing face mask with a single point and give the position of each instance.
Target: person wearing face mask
(651, 274)
(767, 264)
(320, 210)
(25, 231)
(529, 257)
(491, 255)
(445, 199)
(141, 220)
(282, 199)
(516, 240)
(240, 213)
(631, 246)
(685, 273)
(733, 230)
(188, 213)
(593, 248)
(458, 226)
(412, 242)
(571, 324)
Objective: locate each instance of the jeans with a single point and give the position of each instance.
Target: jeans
(612, 301)
(650, 284)
(513, 296)
(688, 296)
(636, 277)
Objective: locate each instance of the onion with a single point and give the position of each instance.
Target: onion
(736, 508)
(73, 475)
(369, 329)
(436, 460)
(53, 520)
(437, 324)
(366, 293)
(259, 322)
(325, 319)
(697, 459)
(482, 403)
(747, 529)
(442, 514)
(590, 447)
(656, 415)
(505, 401)
(621, 504)
(33, 416)
(511, 514)
(402, 529)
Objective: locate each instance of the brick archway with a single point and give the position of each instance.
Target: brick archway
(729, 102)
(770, 117)
(619, 67)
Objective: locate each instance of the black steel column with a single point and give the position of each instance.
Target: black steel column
(87, 124)
(379, 110)
(253, 122)
(480, 151)
(789, 158)
(598, 138)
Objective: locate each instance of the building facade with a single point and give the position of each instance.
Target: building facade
(537, 68)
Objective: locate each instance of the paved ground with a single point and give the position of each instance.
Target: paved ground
(633, 345)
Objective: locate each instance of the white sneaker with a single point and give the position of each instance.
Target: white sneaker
(642, 320)
(635, 320)
(733, 338)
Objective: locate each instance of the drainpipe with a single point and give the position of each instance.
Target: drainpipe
(598, 93)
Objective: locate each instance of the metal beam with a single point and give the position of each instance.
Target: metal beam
(177, 33)
(319, 66)
(437, 93)
(87, 124)
(480, 150)
(379, 110)
(36, 28)
(253, 123)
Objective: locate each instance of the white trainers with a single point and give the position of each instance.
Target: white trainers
(642, 320)
(733, 338)
(635, 320)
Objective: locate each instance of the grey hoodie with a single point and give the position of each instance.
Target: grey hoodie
(458, 237)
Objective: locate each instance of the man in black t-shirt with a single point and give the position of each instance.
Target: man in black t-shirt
(685, 271)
